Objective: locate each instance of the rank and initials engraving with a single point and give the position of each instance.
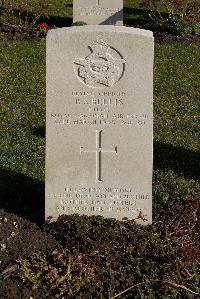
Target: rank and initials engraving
(98, 152)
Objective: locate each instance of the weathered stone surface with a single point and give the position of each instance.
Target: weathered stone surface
(99, 122)
(98, 12)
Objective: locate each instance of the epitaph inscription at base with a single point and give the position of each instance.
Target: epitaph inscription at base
(99, 122)
(98, 12)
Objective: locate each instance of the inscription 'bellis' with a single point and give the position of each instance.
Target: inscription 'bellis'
(100, 102)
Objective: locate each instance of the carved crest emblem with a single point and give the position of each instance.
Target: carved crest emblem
(103, 67)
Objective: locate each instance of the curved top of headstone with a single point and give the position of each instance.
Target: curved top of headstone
(102, 28)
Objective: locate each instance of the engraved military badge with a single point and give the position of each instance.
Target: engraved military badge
(103, 67)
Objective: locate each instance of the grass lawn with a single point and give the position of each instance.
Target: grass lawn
(176, 157)
(60, 13)
(176, 109)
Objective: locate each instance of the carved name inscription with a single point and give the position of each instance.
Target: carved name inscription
(101, 108)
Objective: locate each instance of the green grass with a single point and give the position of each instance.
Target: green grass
(176, 90)
(61, 8)
(22, 107)
(154, 15)
(60, 12)
(176, 109)
(176, 121)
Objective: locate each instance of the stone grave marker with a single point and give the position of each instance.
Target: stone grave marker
(99, 122)
(98, 12)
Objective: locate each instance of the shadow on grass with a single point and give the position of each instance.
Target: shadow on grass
(59, 21)
(136, 17)
(69, 5)
(167, 157)
(40, 132)
(142, 18)
(22, 195)
(179, 160)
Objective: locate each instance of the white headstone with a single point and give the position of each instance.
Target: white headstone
(98, 12)
(99, 122)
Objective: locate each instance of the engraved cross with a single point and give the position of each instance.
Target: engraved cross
(98, 151)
